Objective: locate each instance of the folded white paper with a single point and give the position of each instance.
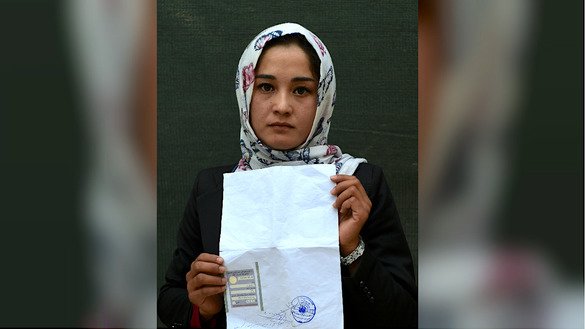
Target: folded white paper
(280, 242)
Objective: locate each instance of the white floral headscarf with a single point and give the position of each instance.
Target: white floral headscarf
(315, 149)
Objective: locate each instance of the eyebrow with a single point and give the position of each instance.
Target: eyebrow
(272, 77)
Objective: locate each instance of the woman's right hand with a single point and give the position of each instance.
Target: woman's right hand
(205, 284)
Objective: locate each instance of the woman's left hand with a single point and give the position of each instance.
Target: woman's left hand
(354, 207)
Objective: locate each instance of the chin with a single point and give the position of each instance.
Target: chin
(283, 146)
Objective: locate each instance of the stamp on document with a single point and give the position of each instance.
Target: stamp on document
(242, 288)
(303, 309)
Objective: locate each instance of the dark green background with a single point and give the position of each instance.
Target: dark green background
(374, 51)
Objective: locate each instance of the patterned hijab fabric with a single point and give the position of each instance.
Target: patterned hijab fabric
(315, 149)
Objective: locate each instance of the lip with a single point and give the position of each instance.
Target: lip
(281, 124)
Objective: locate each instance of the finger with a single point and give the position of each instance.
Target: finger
(337, 179)
(356, 208)
(340, 178)
(205, 257)
(341, 186)
(200, 294)
(202, 279)
(346, 207)
(351, 191)
(345, 184)
(206, 267)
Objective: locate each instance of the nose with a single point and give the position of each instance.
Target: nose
(282, 103)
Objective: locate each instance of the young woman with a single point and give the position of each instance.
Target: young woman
(285, 85)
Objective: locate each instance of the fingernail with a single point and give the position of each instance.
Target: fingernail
(224, 280)
(219, 260)
(221, 269)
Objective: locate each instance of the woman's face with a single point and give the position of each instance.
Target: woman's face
(284, 99)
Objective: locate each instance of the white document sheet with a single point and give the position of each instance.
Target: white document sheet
(280, 242)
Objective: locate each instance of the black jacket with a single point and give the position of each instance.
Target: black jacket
(382, 293)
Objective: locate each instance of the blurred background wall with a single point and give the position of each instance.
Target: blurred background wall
(374, 50)
(501, 164)
(78, 163)
(42, 248)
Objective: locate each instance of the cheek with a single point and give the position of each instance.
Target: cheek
(309, 115)
(255, 112)
(252, 117)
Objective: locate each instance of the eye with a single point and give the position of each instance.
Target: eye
(265, 87)
(301, 91)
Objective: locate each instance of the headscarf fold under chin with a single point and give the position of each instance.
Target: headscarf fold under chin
(315, 149)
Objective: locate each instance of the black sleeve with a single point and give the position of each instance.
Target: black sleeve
(173, 305)
(382, 292)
